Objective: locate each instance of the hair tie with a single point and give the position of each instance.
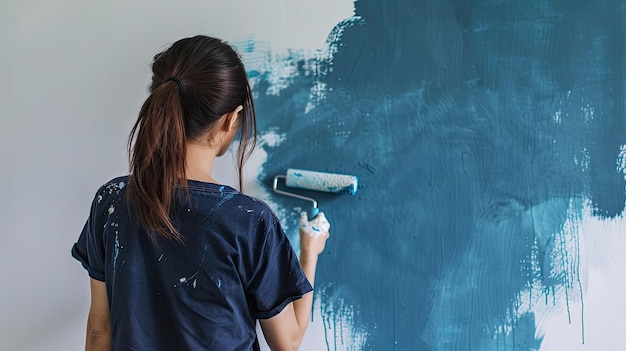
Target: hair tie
(179, 82)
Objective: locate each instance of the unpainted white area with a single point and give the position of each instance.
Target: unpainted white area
(74, 75)
(594, 321)
(586, 311)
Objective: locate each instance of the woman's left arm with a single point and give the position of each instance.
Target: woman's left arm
(99, 320)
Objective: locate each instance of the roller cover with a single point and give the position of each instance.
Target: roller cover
(321, 181)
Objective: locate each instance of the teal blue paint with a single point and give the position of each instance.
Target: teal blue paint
(225, 194)
(117, 250)
(473, 126)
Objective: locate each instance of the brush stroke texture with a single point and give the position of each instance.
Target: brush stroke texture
(477, 128)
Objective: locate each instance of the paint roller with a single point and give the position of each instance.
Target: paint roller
(317, 181)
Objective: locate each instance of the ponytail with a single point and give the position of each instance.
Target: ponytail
(194, 83)
(156, 148)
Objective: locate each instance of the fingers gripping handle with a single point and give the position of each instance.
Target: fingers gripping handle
(313, 212)
(316, 226)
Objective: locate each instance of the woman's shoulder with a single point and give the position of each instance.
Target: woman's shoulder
(257, 205)
(253, 207)
(111, 191)
(233, 201)
(114, 185)
(251, 204)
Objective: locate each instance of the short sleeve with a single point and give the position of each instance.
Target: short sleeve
(89, 249)
(278, 278)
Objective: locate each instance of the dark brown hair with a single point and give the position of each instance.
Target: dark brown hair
(207, 81)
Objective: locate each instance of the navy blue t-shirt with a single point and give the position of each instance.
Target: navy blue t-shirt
(234, 266)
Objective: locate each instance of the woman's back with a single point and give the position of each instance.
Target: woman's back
(203, 293)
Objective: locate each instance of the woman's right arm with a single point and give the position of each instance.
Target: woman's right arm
(284, 332)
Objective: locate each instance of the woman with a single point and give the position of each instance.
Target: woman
(177, 261)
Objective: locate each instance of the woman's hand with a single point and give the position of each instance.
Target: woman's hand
(313, 234)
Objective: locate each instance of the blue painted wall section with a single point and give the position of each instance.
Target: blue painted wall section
(477, 128)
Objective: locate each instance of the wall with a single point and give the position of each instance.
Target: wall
(490, 140)
(489, 136)
(73, 77)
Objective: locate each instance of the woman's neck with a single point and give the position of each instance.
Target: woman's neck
(199, 162)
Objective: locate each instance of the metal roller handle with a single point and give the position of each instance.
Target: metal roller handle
(275, 187)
